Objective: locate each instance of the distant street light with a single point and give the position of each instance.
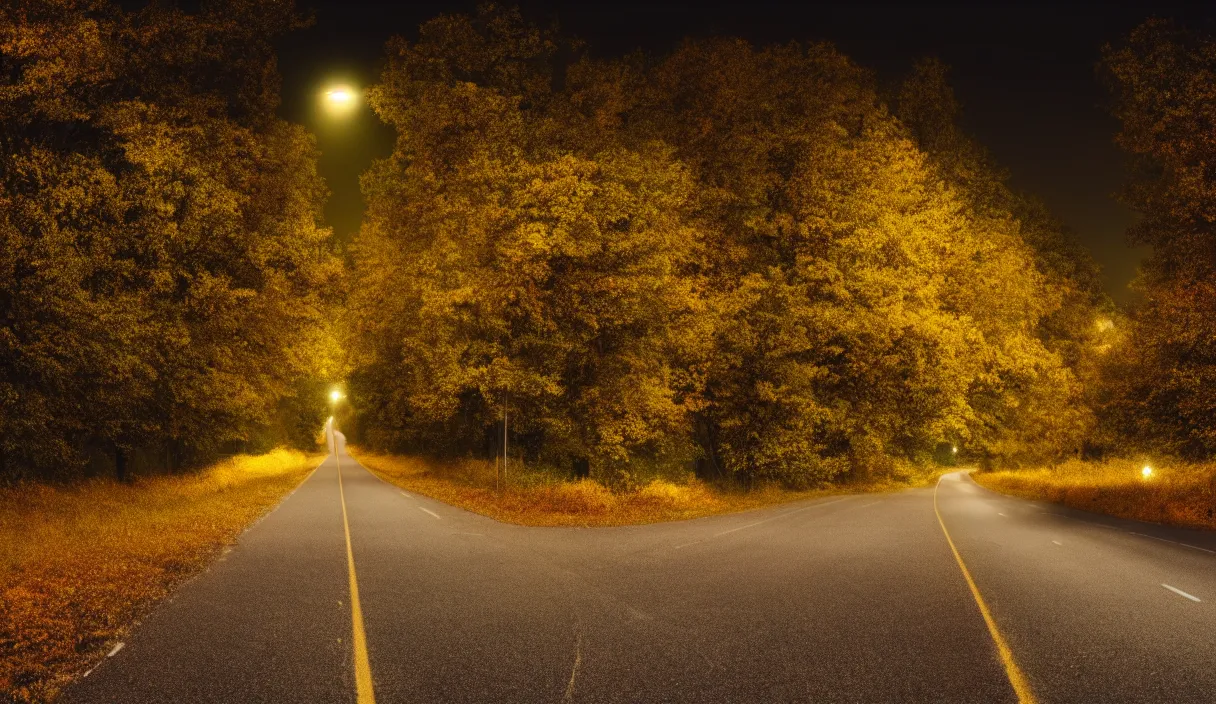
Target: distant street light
(1146, 472)
(334, 396)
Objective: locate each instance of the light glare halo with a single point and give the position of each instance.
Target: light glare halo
(339, 100)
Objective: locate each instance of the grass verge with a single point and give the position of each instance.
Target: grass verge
(1175, 494)
(538, 501)
(80, 564)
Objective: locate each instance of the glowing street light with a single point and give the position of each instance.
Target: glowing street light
(340, 100)
(954, 450)
(335, 395)
(339, 96)
(1146, 472)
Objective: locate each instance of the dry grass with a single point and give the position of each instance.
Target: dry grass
(534, 500)
(1177, 493)
(79, 564)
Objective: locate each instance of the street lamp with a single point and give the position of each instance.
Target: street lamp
(335, 396)
(339, 96)
(340, 100)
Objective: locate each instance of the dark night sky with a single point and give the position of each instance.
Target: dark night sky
(1025, 77)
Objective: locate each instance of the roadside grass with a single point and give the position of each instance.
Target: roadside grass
(539, 499)
(1175, 493)
(79, 564)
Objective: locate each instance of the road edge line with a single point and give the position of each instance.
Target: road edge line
(1017, 678)
(364, 691)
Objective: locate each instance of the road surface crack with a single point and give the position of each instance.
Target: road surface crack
(578, 660)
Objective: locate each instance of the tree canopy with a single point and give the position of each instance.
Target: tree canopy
(735, 254)
(164, 270)
(747, 259)
(1161, 379)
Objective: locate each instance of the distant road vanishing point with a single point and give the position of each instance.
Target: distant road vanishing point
(861, 598)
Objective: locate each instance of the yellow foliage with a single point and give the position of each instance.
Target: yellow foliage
(165, 274)
(532, 501)
(1175, 493)
(730, 252)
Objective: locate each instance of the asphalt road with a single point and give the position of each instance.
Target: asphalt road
(857, 599)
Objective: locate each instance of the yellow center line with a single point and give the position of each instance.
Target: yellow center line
(1016, 677)
(363, 669)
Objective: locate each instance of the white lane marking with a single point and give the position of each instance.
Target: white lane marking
(1153, 537)
(1196, 547)
(406, 495)
(1130, 532)
(1179, 592)
(436, 515)
(872, 503)
(118, 647)
(1001, 514)
(749, 525)
(1173, 542)
(1057, 542)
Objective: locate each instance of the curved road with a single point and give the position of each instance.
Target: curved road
(856, 598)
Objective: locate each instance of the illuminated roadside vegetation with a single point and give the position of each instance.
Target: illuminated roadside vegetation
(751, 262)
(80, 563)
(1154, 393)
(535, 497)
(1159, 392)
(165, 282)
(748, 263)
(164, 275)
(1180, 493)
(743, 259)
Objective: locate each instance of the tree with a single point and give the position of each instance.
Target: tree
(1164, 83)
(163, 255)
(1039, 408)
(925, 305)
(494, 270)
(732, 252)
